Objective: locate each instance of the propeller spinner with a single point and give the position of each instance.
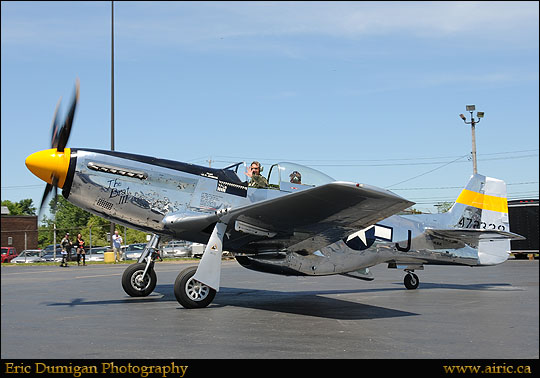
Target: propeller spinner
(52, 165)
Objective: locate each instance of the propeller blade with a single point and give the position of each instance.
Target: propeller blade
(55, 126)
(59, 138)
(65, 131)
(55, 196)
(48, 189)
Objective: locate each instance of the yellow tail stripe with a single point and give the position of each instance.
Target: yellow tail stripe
(483, 201)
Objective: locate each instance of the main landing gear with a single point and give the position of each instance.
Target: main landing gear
(191, 293)
(411, 280)
(195, 287)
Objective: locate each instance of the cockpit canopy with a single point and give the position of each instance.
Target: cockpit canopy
(287, 176)
(291, 177)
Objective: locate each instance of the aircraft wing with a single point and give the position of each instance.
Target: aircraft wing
(302, 221)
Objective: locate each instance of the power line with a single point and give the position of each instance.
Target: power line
(344, 161)
(461, 187)
(21, 187)
(425, 173)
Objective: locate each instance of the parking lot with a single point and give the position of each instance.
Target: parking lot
(457, 312)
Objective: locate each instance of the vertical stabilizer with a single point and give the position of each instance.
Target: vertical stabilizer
(483, 205)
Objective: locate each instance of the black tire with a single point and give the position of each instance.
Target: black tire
(411, 281)
(132, 283)
(191, 293)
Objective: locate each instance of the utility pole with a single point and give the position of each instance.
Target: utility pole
(54, 237)
(112, 95)
(112, 75)
(470, 109)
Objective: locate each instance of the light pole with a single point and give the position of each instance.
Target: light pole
(470, 109)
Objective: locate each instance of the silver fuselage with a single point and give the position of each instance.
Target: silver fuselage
(140, 192)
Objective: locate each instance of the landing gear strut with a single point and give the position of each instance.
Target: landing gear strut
(196, 287)
(139, 279)
(191, 293)
(411, 280)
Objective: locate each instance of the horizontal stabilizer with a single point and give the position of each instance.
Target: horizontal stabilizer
(472, 235)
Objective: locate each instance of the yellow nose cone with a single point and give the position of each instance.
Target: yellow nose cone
(50, 163)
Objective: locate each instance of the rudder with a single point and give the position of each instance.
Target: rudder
(482, 204)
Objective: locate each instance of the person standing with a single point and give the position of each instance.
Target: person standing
(66, 249)
(80, 250)
(117, 244)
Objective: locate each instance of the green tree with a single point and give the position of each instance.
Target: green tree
(410, 210)
(99, 228)
(134, 236)
(23, 207)
(93, 229)
(45, 236)
(69, 218)
(444, 207)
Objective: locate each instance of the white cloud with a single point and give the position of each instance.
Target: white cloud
(257, 25)
(346, 19)
(300, 29)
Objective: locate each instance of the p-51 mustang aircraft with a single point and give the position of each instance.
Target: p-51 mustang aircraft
(311, 226)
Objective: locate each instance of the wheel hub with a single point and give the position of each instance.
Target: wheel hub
(196, 290)
(140, 282)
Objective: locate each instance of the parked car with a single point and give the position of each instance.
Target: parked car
(134, 251)
(50, 248)
(49, 256)
(29, 256)
(96, 253)
(8, 254)
(49, 252)
(197, 249)
(176, 248)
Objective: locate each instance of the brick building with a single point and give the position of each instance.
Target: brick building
(19, 231)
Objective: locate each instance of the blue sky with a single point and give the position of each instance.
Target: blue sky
(368, 92)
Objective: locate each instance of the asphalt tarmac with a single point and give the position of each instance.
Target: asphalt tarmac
(457, 312)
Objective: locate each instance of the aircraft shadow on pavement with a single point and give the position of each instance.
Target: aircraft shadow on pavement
(82, 302)
(309, 303)
(477, 286)
(319, 303)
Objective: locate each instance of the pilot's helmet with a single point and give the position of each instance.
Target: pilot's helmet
(296, 177)
(258, 165)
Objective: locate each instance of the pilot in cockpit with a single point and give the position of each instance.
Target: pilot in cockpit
(295, 177)
(254, 172)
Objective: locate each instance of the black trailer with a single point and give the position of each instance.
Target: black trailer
(523, 217)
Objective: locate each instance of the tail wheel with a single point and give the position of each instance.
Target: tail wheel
(411, 281)
(137, 285)
(191, 293)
